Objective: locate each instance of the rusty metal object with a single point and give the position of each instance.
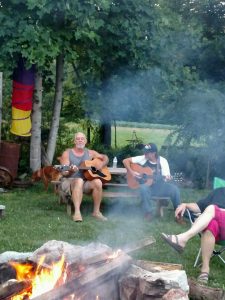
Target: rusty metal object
(22, 183)
(6, 178)
(9, 156)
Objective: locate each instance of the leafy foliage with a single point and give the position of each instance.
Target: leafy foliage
(158, 61)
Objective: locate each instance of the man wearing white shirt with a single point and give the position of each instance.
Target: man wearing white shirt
(159, 185)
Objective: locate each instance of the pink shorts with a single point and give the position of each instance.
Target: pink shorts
(217, 224)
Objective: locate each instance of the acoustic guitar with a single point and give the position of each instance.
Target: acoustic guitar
(146, 176)
(91, 170)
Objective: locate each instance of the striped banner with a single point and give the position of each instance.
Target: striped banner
(22, 96)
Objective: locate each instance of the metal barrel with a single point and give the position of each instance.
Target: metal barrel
(9, 156)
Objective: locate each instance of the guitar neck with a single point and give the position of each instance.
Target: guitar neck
(85, 168)
(91, 172)
(63, 168)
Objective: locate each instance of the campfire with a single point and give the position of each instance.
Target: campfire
(38, 279)
(61, 271)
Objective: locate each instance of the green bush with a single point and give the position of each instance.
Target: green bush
(193, 162)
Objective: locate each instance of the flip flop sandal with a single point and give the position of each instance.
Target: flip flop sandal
(99, 216)
(77, 217)
(203, 278)
(174, 245)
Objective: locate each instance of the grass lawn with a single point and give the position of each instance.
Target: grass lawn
(34, 216)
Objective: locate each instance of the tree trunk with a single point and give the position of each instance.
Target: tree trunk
(1, 85)
(56, 109)
(35, 142)
(88, 135)
(115, 135)
(207, 174)
(44, 157)
(105, 133)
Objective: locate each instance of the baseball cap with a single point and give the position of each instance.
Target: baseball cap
(151, 147)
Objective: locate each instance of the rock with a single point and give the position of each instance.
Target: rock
(13, 255)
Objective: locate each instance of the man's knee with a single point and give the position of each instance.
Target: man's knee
(77, 184)
(93, 185)
(97, 184)
(171, 189)
(175, 189)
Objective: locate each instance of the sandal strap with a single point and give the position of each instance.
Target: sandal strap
(204, 276)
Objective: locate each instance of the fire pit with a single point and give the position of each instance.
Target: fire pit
(61, 271)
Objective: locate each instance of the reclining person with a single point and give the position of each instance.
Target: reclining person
(76, 181)
(211, 225)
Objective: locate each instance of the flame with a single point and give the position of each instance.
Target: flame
(42, 279)
(115, 254)
(23, 271)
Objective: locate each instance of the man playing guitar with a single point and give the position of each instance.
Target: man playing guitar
(151, 174)
(75, 181)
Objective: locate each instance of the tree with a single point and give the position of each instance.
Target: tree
(127, 57)
(56, 107)
(34, 42)
(35, 148)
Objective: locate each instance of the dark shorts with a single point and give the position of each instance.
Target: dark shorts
(217, 224)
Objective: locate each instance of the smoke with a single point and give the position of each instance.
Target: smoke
(126, 223)
(148, 95)
(131, 96)
(203, 112)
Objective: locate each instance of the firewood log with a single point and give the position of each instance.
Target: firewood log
(200, 292)
(13, 287)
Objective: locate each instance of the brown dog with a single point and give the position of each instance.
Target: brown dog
(46, 174)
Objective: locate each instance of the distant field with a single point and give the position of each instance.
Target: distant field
(124, 135)
(126, 131)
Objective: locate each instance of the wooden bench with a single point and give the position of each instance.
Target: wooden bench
(113, 190)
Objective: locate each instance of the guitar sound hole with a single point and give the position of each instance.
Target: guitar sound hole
(93, 169)
(142, 180)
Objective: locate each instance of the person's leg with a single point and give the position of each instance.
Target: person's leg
(207, 247)
(95, 188)
(213, 233)
(174, 194)
(146, 203)
(77, 196)
(166, 189)
(208, 239)
(199, 225)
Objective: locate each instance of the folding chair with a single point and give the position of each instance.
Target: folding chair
(216, 252)
(217, 183)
